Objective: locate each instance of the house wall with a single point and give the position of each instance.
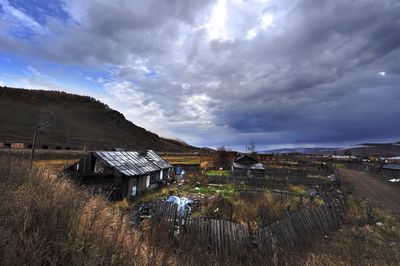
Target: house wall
(241, 172)
(142, 183)
(101, 167)
(154, 179)
(124, 186)
(390, 174)
(86, 165)
(165, 173)
(132, 183)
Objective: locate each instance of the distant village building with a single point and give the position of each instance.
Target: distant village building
(245, 165)
(17, 145)
(395, 159)
(120, 174)
(391, 171)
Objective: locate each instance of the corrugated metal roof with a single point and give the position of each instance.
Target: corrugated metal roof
(392, 166)
(157, 160)
(130, 162)
(246, 160)
(256, 166)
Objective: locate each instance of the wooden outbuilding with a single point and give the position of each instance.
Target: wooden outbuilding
(390, 171)
(120, 174)
(246, 166)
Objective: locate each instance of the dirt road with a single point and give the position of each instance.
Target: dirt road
(378, 192)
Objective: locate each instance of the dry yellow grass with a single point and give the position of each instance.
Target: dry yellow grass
(54, 166)
(360, 242)
(48, 221)
(204, 161)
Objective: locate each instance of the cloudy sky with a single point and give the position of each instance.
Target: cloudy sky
(277, 73)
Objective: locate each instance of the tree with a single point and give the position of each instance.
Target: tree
(251, 148)
(222, 158)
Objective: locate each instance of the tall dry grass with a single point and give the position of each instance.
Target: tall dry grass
(49, 221)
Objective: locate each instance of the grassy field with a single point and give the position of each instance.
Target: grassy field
(359, 242)
(54, 166)
(218, 173)
(47, 220)
(205, 161)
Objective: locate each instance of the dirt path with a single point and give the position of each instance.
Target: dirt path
(377, 191)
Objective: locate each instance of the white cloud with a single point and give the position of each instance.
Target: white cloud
(216, 26)
(266, 20)
(251, 34)
(198, 107)
(185, 86)
(270, 70)
(21, 18)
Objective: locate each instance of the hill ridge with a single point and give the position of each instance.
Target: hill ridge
(73, 121)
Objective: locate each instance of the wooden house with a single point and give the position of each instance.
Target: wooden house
(120, 174)
(390, 170)
(246, 166)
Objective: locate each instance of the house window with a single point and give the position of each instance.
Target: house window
(147, 181)
(133, 191)
(153, 178)
(99, 167)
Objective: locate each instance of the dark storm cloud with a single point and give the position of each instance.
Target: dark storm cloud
(276, 72)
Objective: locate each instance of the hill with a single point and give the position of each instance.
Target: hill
(318, 151)
(72, 121)
(376, 149)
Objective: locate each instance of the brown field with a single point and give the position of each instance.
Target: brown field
(47, 220)
(205, 161)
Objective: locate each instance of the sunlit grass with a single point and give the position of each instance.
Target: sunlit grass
(218, 173)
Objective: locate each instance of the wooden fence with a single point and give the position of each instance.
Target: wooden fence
(266, 181)
(287, 172)
(219, 237)
(298, 230)
(223, 238)
(166, 213)
(280, 195)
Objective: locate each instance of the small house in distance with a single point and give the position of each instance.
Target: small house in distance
(120, 174)
(245, 165)
(391, 171)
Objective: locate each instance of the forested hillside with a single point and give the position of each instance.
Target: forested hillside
(72, 121)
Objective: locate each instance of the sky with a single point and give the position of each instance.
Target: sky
(277, 73)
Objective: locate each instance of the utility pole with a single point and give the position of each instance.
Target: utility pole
(335, 160)
(33, 147)
(84, 158)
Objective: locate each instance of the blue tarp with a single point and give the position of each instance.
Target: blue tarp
(183, 204)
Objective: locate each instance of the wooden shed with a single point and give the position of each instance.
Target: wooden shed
(121, 174)
(390, 170)
(246, 166)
